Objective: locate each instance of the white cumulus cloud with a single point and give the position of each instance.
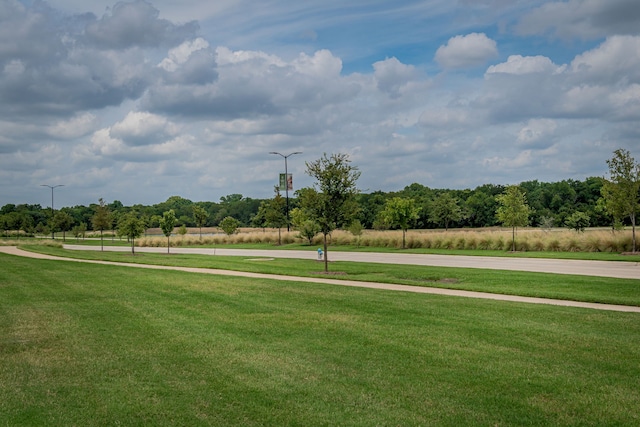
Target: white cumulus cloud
(466, 51)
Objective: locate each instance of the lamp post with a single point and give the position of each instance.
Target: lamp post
(52, 187)
(286, 178)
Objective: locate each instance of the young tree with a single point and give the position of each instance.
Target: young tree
(62, 221)
(101, 220)
(307, 228)
(622, 191)
(331, 203)
(131, 226)
(275, 213)
(229, 225)
(402, 213)
(577, 221)
(513, 210)
(79, 230)
(444, 210)
(200, 216)
(355, 228)
(167, 223)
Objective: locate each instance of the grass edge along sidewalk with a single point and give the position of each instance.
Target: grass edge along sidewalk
(12, 250)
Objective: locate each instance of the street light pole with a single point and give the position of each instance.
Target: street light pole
(286, 178)
(52, 187)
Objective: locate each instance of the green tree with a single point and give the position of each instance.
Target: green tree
(62, 221)
(167, 223)
(513, 210)
(445, 209)
(622, 191)
(200, 216)
(577, 221)
(402, 213)
(307, 228)
(101, 220)
(275, 213)
(229, 225)
(355, 228)
(331, 203)
(132, 227)
(79, 230)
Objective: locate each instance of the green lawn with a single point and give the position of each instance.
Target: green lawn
(576, 288)
(104, 345)
(599, 256)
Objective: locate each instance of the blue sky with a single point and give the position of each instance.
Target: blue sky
(138, 101)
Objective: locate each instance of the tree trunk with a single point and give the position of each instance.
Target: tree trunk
(403, 238)
(168, 243)
(513, 239)
(101, 241)
(633, 232)
(326, 258)
(132, 250)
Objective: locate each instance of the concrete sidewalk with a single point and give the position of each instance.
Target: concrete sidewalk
(12, 250)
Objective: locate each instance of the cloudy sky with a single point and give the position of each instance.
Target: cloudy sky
(140, 100)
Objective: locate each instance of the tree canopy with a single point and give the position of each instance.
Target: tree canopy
(331, 202)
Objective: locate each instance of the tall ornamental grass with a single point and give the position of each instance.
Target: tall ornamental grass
(527, 239)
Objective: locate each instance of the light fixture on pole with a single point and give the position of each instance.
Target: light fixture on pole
(52, 187)
(286, 178)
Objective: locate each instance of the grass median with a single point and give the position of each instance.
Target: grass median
(567, 287)
(91, 345)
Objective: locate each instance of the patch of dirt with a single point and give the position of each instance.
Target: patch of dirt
(446, 280)
(330, 273)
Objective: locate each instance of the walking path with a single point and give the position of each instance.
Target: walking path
(12, 250)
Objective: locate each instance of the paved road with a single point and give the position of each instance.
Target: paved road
(12, 250)
(620, 270)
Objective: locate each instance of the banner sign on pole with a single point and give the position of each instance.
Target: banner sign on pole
(286, 181)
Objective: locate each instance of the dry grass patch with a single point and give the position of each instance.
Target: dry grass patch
(527, 239)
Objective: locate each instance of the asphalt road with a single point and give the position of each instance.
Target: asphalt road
(620, 270)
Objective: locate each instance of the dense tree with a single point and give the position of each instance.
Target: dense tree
(331, 203)
(445, 209)
(622, 190)
(167, 223)
(481, 205)
(101, 220)
(513, 210)
(402, 213)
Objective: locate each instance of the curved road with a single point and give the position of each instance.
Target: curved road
(449, 261)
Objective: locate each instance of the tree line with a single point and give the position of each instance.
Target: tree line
(573, 203)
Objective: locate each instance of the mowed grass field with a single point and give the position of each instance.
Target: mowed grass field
(107, 345)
